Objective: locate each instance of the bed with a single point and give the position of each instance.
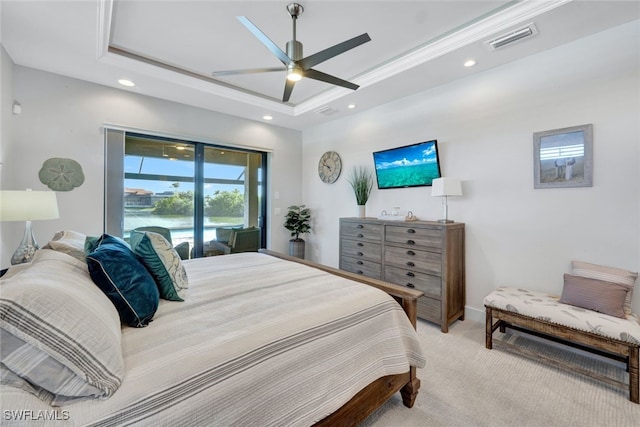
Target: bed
(259, 340)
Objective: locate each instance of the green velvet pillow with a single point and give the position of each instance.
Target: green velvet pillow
(124, 280)
(163, 262)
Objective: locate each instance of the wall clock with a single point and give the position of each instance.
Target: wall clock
(329, 167)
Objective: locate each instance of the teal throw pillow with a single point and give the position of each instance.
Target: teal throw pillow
(163, 262)
(124, 280)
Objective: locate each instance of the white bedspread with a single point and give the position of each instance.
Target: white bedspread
(259, 341)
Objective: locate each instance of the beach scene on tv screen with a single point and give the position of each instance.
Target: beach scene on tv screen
(407, 166)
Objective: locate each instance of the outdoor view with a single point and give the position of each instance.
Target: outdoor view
(159, 188)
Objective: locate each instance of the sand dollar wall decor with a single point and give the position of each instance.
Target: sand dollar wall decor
(61, 174)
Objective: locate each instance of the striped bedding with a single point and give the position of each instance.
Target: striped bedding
(258, 341)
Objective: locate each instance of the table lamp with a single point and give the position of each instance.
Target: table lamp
(445, 187)
(27, 206)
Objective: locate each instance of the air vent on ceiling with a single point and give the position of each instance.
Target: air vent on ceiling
(326, 110)
(512, 37)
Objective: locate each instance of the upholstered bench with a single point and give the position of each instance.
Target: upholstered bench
(542, 313)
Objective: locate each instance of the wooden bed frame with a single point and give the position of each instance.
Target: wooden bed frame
(378, 392)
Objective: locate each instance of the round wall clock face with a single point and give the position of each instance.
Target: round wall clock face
(329, 167)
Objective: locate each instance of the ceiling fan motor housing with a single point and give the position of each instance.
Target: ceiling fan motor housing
(294, 50)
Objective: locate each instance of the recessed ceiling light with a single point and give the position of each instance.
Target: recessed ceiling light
(125, 82)
(470, 63)
(267, 117)
(351, 106)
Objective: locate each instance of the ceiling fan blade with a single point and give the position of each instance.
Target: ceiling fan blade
(324, 77)
(273, 48)
(288, 88)
(247, 71)
(323, 55)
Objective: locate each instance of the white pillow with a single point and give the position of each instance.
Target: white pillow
(68, 242)
(55, 318)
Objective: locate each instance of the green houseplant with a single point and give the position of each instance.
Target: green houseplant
(297, 222)
(362, 182)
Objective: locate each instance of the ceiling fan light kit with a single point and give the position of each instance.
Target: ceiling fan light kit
(295, 65)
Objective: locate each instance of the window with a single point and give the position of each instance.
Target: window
(191, 188)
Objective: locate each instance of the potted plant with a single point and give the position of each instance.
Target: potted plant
(297, 221)
(362, 182)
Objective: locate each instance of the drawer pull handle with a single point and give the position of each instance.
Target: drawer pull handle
(410, 242)
(411, 231)
(360, 236)
(359, 253)
(410, 285)
(360, 244)
(410, 274)
(360, 262)
(360, 226)
(411, 253)
(411, 264)
(360, 272)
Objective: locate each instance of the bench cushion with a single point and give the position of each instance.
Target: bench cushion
(543, 306)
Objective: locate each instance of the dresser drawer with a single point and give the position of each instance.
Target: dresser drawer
(361, 266)
(413, 259)
(430, 285)
(427, 237)
(361, 230)
(430, 309)
(362, 250)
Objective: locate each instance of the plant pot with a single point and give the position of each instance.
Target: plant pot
(362, 211)
(296, 248)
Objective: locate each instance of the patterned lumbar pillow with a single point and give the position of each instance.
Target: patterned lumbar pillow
(163, 262)
(597, 295)
(117, 271)
(607, 274)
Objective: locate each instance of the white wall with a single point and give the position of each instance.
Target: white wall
(63, 117)
(515, 235)
(6, 100)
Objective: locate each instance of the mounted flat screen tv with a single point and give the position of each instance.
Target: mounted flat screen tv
(409, 166)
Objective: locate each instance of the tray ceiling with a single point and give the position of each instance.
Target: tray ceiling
(170, 48)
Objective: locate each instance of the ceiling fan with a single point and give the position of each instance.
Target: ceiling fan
(295, 64)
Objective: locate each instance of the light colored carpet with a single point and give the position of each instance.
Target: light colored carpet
(464, 384)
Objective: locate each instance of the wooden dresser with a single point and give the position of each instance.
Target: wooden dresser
(425, 255)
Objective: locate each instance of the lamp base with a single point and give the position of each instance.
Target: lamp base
(27, 248)
(445, 221)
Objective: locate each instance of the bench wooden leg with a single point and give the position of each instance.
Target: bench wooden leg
(488, 340)
(634, 374)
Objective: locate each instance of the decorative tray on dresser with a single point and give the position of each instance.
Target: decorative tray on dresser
(425, 255)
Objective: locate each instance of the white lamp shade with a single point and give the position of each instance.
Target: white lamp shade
(28, 205)
(446, 187)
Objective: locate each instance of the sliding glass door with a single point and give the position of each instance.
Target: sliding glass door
(190, 188)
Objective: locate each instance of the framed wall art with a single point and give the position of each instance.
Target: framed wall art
(563, 157)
